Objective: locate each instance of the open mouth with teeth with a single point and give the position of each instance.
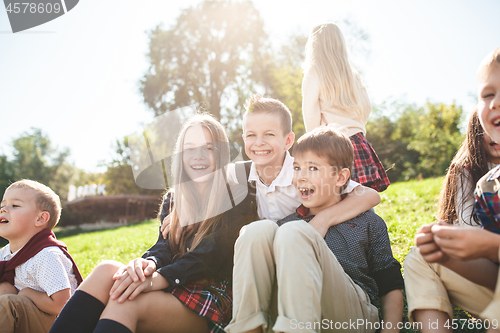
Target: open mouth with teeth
(496, 122)
(199, 167)
(261, 152)
(306, 192)
(4, 220)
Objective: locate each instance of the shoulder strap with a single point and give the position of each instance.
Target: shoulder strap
(243, 171)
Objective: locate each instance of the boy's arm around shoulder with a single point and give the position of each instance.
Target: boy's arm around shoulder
(358, 201)
(52, 304)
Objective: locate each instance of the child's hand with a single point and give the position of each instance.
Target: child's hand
(466, 243)
(136, 271)
(320, 225)
(153, 282)
(131, 290)
(430, 251)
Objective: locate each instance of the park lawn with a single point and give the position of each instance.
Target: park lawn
(404, 207)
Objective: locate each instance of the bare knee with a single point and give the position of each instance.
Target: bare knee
(7, 289)
(100, 280)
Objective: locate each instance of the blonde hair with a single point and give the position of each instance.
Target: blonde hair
(206, 209)
(326, 56)
(327, 143)
(45, 199)
(493, 58)
(258, 104)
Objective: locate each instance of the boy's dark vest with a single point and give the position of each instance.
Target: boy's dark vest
(242, 174)
(38, 242)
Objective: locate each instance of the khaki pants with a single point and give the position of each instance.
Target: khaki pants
(432, 286)
(314, 294)
(18, 314)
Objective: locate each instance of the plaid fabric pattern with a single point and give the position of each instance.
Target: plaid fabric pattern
(367, 169)
(487, 205)
(217, 310)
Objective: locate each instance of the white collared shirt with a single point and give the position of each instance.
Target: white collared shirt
(280, 198)
(49, 271)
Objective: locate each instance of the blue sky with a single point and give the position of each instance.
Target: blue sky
(77, 77)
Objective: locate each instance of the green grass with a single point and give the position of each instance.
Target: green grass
(405, 206)
(121, 244)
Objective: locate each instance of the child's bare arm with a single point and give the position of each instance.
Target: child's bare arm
(6, 288)
(467, 251)
(360, 200)
(52, 304)
(392, 309)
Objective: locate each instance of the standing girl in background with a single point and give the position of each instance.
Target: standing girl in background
(333, 94)
(477, 155)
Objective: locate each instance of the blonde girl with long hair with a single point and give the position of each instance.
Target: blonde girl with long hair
(183, 283)
(333, 94)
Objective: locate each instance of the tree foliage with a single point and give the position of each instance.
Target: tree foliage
(119, 178)
(211, 51)
(415, 141)
(34, 157)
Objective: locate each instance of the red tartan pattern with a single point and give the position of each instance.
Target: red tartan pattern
(367, 169)
(205, 304)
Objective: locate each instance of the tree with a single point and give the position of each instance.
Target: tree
(34, 157)
(414, 141)
(208, 53)
(119, 177)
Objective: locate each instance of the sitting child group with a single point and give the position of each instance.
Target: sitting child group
(277, 243)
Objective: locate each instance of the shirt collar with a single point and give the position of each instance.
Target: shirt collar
(284, 177)
(303, 211)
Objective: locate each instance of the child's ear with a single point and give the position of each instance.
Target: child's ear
(290, 138)
(42, 219)
(343, 174)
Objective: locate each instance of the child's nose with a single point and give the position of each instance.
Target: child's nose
(495, 103)
(200, 153)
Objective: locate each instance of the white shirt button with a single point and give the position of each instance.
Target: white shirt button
(177, 281)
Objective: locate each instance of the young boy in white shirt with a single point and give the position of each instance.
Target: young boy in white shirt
(268, 135)
(37, 274)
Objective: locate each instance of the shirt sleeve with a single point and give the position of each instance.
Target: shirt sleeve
(311, 111)
(160, 252)
(384, 268)
(465, 200)
(203, 261)
(351, 185)
(51, 269)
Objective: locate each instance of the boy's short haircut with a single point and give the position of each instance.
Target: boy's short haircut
(327, 143)
(258, 104)
(45, 199)
(491, 59)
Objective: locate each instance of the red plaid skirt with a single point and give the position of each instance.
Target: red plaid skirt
(367, 169)
(215, 308)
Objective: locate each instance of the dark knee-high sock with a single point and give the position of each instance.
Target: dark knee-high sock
(80, 314)
(110, 326)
